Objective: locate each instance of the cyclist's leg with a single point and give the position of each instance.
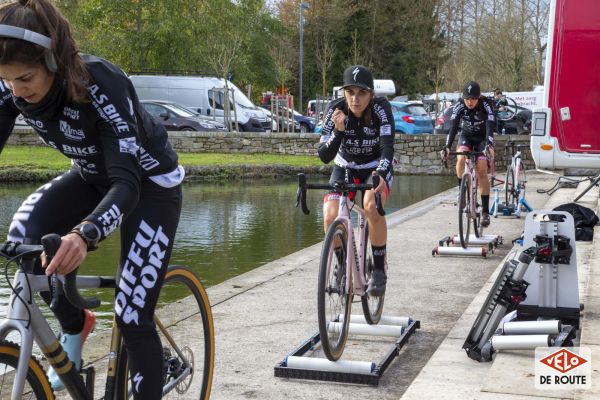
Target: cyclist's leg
(331, 200)
(484, 183)
(377, 235)
(464, 144)
(51, 209)
(147, 237)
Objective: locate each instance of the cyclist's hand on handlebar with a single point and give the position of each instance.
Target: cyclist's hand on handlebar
(444, 153)
(339, 120)
(70, 255)
(381, 187)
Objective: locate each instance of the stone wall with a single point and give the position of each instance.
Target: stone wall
(416, 154)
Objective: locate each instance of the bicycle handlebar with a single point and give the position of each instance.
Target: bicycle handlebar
(341, 186)
(49, 246)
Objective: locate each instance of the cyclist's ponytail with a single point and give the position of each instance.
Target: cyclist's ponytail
(43, 17)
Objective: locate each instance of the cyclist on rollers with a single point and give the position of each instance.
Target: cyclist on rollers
(474, 116)
(123, 173)
(358, 135)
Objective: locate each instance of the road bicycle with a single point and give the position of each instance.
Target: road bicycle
(513, 185)
(185, 328)
(345, 266)
(469, 208)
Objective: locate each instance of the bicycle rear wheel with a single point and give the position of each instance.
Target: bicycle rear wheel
(372, 305)
(510, 189)
(521, 181)
(464, 213)
(334, 295)
(36, 383)
(185, 327)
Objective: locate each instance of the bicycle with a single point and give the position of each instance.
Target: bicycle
(513, 185)
(341, 258)
(188, 361)
(469, 210)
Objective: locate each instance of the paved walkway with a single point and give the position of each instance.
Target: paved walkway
(263, 315)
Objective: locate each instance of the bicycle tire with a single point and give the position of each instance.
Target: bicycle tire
(185, 319)
(521, 182)
(372, 305)
(477, 227)
(332, 292)
(37, 385)
(511, 110)
(509, 187)
(464, 205)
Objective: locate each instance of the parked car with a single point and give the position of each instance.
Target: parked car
(519, 125)
(175, 117)
(410, 117)
(307, 124)
(283, 119)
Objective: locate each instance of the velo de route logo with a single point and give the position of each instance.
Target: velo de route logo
(565, 368)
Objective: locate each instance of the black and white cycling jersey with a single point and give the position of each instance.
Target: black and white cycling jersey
(111, 140)
(360, 146)
(476, 125)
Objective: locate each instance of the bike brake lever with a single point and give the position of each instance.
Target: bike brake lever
(51, 244)
(380, 209)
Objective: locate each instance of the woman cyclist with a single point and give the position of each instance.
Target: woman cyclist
(123, 173)
(358, 135)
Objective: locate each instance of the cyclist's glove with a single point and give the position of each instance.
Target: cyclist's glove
(444, 153)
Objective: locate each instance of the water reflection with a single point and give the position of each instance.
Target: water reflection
(229, 228)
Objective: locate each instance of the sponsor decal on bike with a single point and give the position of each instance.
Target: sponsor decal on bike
(140, 271)
(566, 368)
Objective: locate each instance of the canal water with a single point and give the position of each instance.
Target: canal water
(226, 229)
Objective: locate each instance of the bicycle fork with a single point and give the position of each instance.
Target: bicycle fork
(26, 318)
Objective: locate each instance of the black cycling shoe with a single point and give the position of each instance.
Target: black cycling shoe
(485, 220)
(377, 283)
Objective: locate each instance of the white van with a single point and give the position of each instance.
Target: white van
(204, 95)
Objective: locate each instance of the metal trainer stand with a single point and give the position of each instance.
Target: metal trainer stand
(478, 246)
(298, 364)
(499, 208)
(549, 242)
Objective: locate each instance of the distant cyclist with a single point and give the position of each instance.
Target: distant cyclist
(124, 173)
(474, 116)
(358, 135)
(500, 104)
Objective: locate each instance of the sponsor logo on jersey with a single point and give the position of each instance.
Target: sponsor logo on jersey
(147, 161)
(107, 110)
(128, 145)
(70, 133)
(71, 113)
(79, 151)
(385, 130)
(35, 124)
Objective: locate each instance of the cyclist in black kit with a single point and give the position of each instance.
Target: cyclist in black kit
(358, 135)
(124, 174)
(475, 118)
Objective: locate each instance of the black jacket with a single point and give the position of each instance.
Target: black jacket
(360, 146)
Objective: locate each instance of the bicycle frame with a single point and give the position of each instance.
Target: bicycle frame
(28, 320)
(471, 174)
(354, 256)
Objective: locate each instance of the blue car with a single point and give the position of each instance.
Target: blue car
(411, 118)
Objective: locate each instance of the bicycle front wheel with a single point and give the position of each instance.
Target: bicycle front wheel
(464, 211)
(372, 305)
(334, 294)
(36, 383)
(184, 322)
(476, 215)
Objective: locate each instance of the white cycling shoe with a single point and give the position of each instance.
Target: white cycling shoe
(72, 345)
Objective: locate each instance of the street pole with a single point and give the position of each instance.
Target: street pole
(302, 7)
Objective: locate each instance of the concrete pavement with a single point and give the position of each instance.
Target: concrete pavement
(264, 314)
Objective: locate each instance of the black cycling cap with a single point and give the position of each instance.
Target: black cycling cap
(358, 75)
(471, 90)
